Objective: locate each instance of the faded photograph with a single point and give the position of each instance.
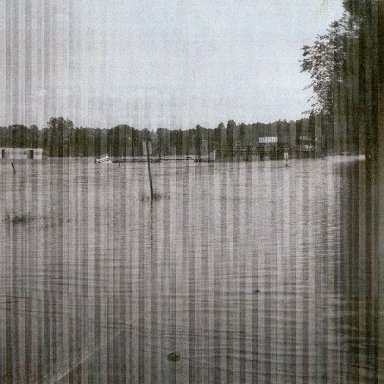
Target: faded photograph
(192, 191)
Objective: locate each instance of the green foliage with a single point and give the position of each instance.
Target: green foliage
(18, 219)
(326, 61)
(61, 139)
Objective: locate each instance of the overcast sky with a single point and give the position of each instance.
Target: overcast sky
(168, 63)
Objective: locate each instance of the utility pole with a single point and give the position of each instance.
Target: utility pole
(149, 169)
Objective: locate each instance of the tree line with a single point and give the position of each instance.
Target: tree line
(347, 76)
(60, 138)
(344, 69)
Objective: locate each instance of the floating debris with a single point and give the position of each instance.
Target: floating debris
(156, 196)
(103, 159)
(174, 356)
(18, 219)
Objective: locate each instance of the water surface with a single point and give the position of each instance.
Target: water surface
(253, 272)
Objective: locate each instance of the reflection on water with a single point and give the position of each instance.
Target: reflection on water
(252, 272)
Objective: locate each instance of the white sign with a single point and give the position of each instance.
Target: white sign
(268, 139)
(145, 148)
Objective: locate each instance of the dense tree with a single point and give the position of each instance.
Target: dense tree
(231, 126)
(179, 142)
(243, 135)
(58, 136)
(198, 140)
(325, 61)
(19, 135)
(162, 141)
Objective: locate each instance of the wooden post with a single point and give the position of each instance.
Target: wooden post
(149, 170)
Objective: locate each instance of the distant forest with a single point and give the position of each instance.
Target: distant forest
(61, 139)
(344, 72)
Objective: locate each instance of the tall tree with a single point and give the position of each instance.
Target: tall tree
(58, 136)
(231, 126)
(198, 140)
(325, 60)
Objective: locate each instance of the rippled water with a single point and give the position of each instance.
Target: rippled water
(252, 272)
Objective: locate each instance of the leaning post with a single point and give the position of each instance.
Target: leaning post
(149, 169)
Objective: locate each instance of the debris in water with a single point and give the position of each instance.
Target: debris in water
(174, 356)
(18, 219)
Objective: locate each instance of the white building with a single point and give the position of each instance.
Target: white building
(21, 153)
(268, 140)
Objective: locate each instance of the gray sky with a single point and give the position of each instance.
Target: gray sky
(168, 63)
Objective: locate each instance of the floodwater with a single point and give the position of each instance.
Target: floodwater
(250, 272)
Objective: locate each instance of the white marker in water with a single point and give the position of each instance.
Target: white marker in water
(286, 159)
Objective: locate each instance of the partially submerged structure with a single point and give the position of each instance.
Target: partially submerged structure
(268, 147)
(21, 153)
